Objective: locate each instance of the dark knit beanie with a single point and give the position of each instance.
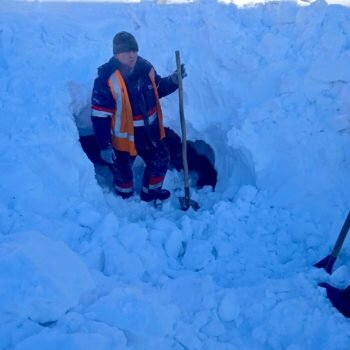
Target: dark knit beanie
(124, 42)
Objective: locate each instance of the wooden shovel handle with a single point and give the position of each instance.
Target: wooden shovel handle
(183, 125)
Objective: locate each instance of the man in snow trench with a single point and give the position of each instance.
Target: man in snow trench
(127, 118)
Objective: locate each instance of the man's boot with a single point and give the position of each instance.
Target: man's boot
(124, 195)
(154, 195)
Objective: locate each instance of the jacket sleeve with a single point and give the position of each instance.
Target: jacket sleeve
(102, 106)
(165, 85)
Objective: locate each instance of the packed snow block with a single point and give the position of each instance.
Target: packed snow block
(331, 68)
(140, 312)
(127, 266)
(174, 246)
(77, 341)
(198, 254)
(14, 329)
(229, 308)
(40, 278)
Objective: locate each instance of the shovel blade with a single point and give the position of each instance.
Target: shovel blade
(186, 203)
(326, 263)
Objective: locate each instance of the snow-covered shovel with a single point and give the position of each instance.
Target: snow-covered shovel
(185, 202)
(328, 262)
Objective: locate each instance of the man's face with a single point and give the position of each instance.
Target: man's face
(128, 58)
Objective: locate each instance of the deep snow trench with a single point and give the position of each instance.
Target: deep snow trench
(268, 89)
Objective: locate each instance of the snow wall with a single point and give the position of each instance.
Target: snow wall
(267, 88)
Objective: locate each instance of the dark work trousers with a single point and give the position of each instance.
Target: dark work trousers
(155, 155)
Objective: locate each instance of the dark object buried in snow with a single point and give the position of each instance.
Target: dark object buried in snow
(198, 162)
(200, 157)
(340, 298)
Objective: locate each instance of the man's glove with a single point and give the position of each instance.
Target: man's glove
(108, 155)
(174, 77)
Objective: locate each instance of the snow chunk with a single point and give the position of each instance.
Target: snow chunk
(133, 237)
(198, 254)
(66, 341)
(118, 261)
(40, 278)
(229, 307)
(331, 68)
(137, 311)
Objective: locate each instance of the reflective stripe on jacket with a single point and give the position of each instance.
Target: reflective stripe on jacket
(122, 126)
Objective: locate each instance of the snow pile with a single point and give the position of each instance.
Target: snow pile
(40, 279)
(268, 89)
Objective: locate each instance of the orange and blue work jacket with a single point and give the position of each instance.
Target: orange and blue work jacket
(122, 102)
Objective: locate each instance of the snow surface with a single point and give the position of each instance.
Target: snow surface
(268, 88)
